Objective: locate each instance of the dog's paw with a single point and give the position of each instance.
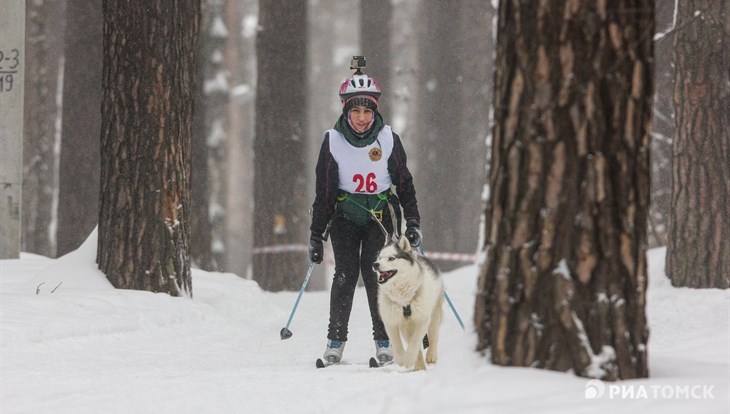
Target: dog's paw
(409, 365)
(431, 357)
(398, 359)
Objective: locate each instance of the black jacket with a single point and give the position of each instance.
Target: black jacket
(327, 174)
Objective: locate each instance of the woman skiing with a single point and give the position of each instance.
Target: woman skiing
(360, 162)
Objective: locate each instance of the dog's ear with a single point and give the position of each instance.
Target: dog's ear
(393, 239)
(404, 244)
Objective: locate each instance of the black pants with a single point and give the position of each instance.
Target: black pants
(355, 248)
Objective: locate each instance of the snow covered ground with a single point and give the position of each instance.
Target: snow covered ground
(87, 348)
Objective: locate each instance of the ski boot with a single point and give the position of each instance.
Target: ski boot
(333, 352)
(383, 352)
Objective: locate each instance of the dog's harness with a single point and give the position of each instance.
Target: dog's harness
(407, 313)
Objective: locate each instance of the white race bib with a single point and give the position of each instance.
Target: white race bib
(363, 170)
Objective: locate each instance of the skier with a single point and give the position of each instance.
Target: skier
(360, 162)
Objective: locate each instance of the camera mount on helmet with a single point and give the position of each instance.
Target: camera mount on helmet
(359, 83)
(357, 63)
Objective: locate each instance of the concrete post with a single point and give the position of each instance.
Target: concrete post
(12, 68)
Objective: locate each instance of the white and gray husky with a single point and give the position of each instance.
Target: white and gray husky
(410, 298)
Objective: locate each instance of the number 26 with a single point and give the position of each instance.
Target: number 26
(368, 183)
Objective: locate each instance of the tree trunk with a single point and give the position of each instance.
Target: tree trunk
(662, 125)
(44, 38)
(240, 63)
(375, 33)
(454, 71)
(78, 200)
(699, 231)
(280, 217)
(331, 24)
(209, 139)
(564, 282)
(147, 110)
(12, 85)
(407, 90)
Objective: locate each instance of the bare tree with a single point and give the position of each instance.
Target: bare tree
(280, 212)
(564, 282)
(44, 41)
(147, 110)
(79, 160)
(698, 254)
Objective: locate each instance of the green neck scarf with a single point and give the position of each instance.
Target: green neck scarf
(343, 127)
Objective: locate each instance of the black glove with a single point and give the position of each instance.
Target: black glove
(413, 232)
(316, 248)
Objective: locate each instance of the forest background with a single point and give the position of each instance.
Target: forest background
(433, 60)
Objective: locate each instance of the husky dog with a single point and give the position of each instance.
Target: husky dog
(410, 296)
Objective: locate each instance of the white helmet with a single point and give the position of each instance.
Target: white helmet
(359, 84)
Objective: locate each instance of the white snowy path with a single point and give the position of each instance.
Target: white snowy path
(88, 348)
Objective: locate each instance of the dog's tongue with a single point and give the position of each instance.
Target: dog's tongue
(384, 276)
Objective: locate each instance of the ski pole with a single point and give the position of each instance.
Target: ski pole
(453, 309)
(285, 332)
(446, 295)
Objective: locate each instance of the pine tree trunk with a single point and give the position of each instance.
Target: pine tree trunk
(375, 33)
(454, 69)
(564, 282)
(200, 228)
(662, 126)
(12, 85)
(78, 200)
(330, 29)
(698, 254)
(44, 38)
(147, 109)
(208, 139)
(240, 64)
(280, 211)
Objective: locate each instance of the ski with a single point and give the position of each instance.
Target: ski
(376, 363)
(320, 363)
